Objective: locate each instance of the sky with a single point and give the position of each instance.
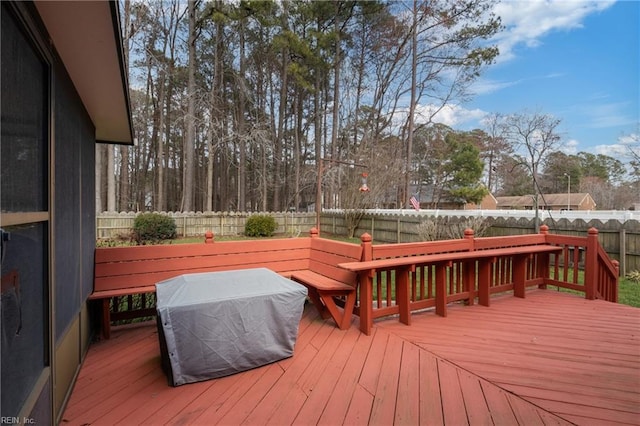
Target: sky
(576, 60)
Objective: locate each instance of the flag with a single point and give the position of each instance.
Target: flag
(415, 203)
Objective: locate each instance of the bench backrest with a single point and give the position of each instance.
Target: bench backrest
(485, 243)
(130, 267)
(385, 251)
(327, 254)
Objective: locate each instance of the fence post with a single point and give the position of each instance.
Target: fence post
(623, 252)
(591, 264)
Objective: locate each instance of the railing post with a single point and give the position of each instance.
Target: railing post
(591, 264)
(544, 229)
(469, 271)
(367, 248)
(469, 234)
(616, 284)
(208, 237)
(365, 280)
(544, 261)
(313, 233)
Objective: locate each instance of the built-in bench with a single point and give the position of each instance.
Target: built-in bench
(327, 283)
(311, 261)
(432, 274)
(371, 281)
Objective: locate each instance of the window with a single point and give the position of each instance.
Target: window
(24, 216)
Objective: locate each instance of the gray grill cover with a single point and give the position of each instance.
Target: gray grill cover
(215, 324)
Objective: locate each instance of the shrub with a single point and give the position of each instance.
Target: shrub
(153, 227)
(260, 226)
(634, 276)
(450, 228)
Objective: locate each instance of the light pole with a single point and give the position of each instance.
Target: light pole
(568, 191)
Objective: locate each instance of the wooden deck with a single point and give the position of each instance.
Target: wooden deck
(552, 358)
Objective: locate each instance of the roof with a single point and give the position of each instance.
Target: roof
(560, 200)
(87, 37)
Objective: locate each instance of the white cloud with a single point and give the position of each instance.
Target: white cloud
(455, 116)
(630, 139)
(485, 86)
(613, 150)
(451, 115)
(527, 22)
(570, 147)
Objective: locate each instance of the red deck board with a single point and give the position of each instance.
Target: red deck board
(340, 398)
(250, 399)
(474, 399)
(360, 407)
(373, 364)
(430, 397)
(453, 408)
(274, 399)
(385, 399)
(498, 403)
(583, 367)
(320, 391)
(408, 409)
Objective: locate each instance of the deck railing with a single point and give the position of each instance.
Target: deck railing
(585, 255)
(582, 265)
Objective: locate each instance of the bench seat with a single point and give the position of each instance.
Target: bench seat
(322, 291)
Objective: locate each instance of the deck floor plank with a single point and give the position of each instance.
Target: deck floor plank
(474, 399)
(453, 408)
(385, 397)
(339, 400)
(324, 386)
(429, 398)
(408, 406)
(551, 358)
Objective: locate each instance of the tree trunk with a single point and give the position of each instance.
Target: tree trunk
(242, 144)
(189, 142)
(99, 166)
(412, 106)
(111, 178)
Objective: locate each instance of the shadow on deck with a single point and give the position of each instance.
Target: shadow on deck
(551, 358)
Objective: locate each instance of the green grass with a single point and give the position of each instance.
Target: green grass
(629, 292)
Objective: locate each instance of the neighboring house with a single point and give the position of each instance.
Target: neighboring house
(577, 201)
(489, 202)
(425, 196)
(64, 88)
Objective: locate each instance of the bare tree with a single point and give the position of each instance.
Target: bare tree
(493, 146)
(533, 136)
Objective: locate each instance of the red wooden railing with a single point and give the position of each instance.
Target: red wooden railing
(579, 255)
(585, 255)
(582, 265)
